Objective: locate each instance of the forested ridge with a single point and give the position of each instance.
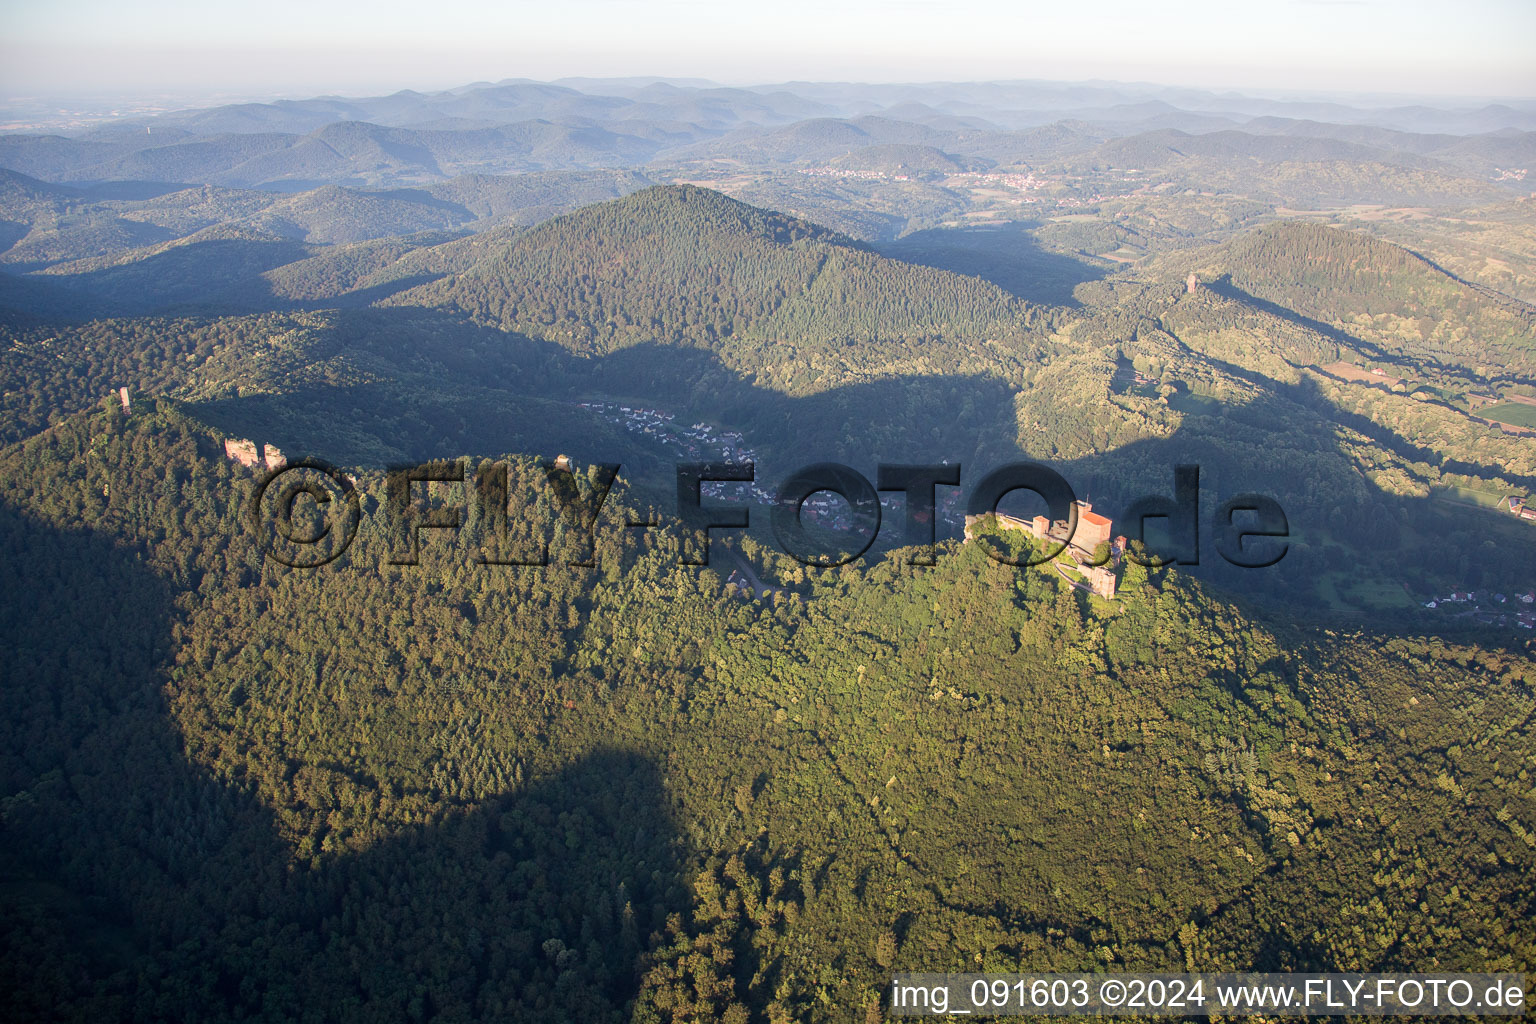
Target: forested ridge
(451, 791)
(816, 347)
(679, 264)
(1417, 311)
(459, 791)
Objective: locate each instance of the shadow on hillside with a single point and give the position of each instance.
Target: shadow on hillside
(11, 232)
(476, 390)
(463, 388)
(446, 386)
(1306, 394)
(367, 296)
(1224, 287)
(1007, 255)
(224, 276)
(218, 272)
(132, 190)
(137, 886)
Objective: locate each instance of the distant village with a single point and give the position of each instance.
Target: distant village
(845, 172)
(1488, 608)
(702, 441)
(1023, 181)
(698, 441)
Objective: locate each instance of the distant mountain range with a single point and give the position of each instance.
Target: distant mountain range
(517, 127)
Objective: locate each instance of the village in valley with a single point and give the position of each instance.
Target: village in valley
(702, 441)
(1488, 608)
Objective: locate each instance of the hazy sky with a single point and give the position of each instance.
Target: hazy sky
(303, 47)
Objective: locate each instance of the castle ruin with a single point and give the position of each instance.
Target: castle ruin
(242, 451)
(251, 455)
(1082, 542)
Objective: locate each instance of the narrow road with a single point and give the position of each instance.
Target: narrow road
(760, 589)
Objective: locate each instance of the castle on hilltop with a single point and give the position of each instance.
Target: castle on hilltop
(1082, 544)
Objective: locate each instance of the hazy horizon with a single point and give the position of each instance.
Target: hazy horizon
(63, 111)
(285, 49)
(213, 95)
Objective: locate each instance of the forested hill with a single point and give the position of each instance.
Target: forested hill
(47, 225)
(453, 791)
(1385, 293)
(615, 789)
(684, 265)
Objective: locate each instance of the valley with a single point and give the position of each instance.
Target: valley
(550, 769)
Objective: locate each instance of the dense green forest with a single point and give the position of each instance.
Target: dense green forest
(455, 791)
(1414, 310)
(465, 790)
(714, 269)
(816, 347)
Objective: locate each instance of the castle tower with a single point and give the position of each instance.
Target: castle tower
(1092, 528)
(1191, 283)
(1102, 582)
